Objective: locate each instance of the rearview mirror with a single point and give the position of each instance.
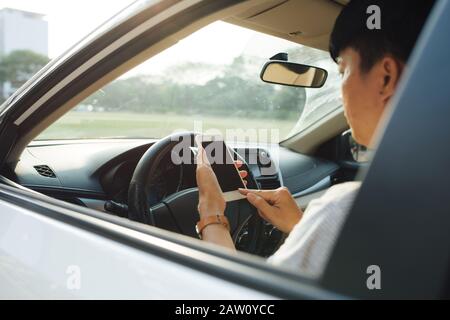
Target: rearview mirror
(293, 74)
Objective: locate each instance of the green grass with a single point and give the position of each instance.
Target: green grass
(87, 125)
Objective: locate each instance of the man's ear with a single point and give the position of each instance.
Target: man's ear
(391, 71)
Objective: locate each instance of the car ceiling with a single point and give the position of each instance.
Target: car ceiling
(307, 22)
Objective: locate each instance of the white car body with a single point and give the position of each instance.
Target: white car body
(46, 259)
(51, 249)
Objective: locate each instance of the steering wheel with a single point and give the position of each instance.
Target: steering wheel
(178, 212)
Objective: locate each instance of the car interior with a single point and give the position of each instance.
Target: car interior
(116, 175)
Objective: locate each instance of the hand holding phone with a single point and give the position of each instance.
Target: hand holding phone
(219, 157)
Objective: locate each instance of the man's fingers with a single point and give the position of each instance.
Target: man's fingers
(202, 159)
(244, 191)
(238, 163)
(265, 194)
(259, 203)
(243, 173)
(198, 141)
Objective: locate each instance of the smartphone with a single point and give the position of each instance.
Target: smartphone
(222, 163)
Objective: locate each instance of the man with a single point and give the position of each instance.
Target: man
(371, 62)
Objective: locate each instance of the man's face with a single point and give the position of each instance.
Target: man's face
(362, 93)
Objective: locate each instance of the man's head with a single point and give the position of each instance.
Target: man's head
(371, 61)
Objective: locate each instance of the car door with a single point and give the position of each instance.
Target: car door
(51, 249)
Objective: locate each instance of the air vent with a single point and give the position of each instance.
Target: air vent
(269, 182)
(45, 171)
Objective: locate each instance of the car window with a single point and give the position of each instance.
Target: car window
(320, 102)
(208, 81)
(33, 33)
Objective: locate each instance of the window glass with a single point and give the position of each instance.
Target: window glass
(210, 80)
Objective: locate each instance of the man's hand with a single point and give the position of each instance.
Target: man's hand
(277, 207)
(211, 200)
(210, 197)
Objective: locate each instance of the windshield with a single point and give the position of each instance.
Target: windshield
(208, 81)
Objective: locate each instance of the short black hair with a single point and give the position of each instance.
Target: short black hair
(401, 24)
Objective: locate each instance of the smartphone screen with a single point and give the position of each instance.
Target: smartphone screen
(222, 163)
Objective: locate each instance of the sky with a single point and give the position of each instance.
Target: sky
(70, 20)
(219, 43)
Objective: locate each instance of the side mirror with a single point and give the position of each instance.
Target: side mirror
(293, 74)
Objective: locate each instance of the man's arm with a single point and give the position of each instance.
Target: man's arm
(218, 234)
(211, 202)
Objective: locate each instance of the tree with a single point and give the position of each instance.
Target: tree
(19, 66)
(232, 90)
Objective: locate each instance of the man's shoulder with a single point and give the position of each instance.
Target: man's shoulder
(335, 202)
(341, 192)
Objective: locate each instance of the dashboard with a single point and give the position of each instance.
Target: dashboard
(97, 174)
(91, 172)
